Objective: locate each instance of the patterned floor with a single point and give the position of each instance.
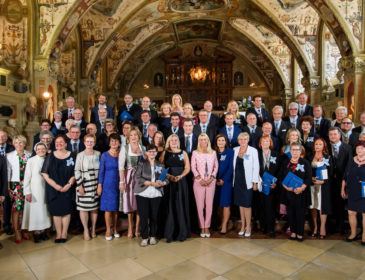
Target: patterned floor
(197, 258)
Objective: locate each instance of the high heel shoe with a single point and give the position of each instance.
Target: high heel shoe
(242, 233)
(315, 235)
(18, 236)
(322, 236)
(350, 239)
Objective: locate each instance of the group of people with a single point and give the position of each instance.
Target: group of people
(178, 172)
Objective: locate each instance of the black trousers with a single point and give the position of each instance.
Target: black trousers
(148, 210)
(296, 213)
(339, 212)
(7, 213)
(267, 212)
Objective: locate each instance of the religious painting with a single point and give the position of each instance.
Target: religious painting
(158, 80)
(107, 7)
(238, 79)
(13, 11)
(198, 29)
(289, 5)
(196, 5)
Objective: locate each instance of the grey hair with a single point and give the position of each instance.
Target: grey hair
(45, 132)
(57, 113)
(343, 108)
(70, 97)
(294, 104)
(296, 144)
(279, 107)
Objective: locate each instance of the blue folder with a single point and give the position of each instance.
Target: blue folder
(319, 173)
(163, 175)
(292, 181)
(268, 180)
(288, 154)
(362, 189)
(126, 116)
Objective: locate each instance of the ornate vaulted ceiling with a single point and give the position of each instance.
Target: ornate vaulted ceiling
(122, 36)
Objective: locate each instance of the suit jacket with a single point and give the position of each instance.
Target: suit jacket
(274, 139)
(236, 131)
(94, 118)
(265, 115)
(56, 131)
(283, 129)
(274, 166)
(81, 146)
(3, 177)
(307, 112)
(210, 131)
(251, 166)
(8, 148)
(167, 132)
(340, 163)
(98, 129)
(134, 111)
(214, 120)
(323, 128)
(193, 146)
(287, 119)
(308, 145)
(83, 126)
(253, 136)
(357, 129)
(154, 116)
(143, 174)
(353, 139)
(145, 141)
(65, 116)
(240, 122)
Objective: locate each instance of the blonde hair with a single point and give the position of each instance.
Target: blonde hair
(209, 147)
(165, 105)
(167, 147)
(68, 123)
(20, 138)
(243, 134)
(133, 128)
(229, 108)
(288, 135)
(172, 101)
(188, 105)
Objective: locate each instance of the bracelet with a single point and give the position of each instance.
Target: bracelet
(121, 182)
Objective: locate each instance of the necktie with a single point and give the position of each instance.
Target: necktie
(102, 127)
(145, 130)
(188, 144)
(276, 128)
(259, 115)
(335, 151)
(203, 128)
(74, 147)
(70, 114)
(301, 110)
(2, 151)
(293, 124)
(230, 136)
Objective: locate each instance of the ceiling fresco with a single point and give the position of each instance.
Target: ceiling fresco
(107, 7)
(332, 55)
(198, 29)
(196, 5)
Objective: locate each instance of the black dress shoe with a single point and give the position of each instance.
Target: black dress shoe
(44, 236)
(8, 232)
(292, 238)
(58, 240)
(222, 233)
(350, 239)
(63, 240)
(363, 243)
(300, 239)
(37, 238)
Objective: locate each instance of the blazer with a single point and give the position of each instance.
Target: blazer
(193, 146)
(83, 126)
(236, 131)
(274, 139)
(240, 122)
(214, 120)
(307, 112)
(274, 165)
(265, 115)
(353, 139)
(3, 177)
(81, 146)
(340, 163)
(308, 145)
(154, 116)
(287, 119)
(56, 131)
(283, 129)
(323, 128)
(13, 165)
(143, 174)
(134, 111)
(94, 118)
(225, 169)
(8, 148)
(167, 132)
(210, 131)
(358, 129)
(98, 128)
(251, 165)
(65, 116)
(256, 134)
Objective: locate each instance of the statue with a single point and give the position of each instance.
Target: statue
(50, 109)
(31, 109)
(22, 71)
(11, 129)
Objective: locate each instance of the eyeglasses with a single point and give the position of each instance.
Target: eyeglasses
(152, 151)
(293, 109)
(296, 150)
(346, 123)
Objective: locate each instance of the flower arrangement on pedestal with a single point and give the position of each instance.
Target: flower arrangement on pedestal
(246, 103)
(153, 105)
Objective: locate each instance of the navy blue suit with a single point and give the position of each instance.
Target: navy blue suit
(323, 128)
(193, 146)
(94, 118)
(265, 115)
(236, 131)
(225, 171)
(81, 146)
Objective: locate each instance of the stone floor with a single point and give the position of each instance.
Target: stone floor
(197, 258)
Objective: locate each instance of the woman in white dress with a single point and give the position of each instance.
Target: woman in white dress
(36, 216)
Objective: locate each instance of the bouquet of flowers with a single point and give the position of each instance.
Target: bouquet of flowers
(245, 104)
(153, 105)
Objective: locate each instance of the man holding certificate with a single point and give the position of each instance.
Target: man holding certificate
(296, 173)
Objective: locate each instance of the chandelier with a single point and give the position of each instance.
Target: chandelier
(198, 73)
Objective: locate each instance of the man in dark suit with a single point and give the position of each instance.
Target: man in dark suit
(304, 109)
(341, 153)
(79, 120)
(151, 130)
(348, 135)
(145, 122)
(146, 103)
(280, 127)
(321, 125)
(100, 124)
(204, 127)
(94, 118)
(189, 141)
(361, 128)
(230, 130)
(251, 128)
(68, 113)
(4, 149)
(213, 119)
(267, 131)
(293, 117)
(174, 128)
(131, 108)
(75, 144)
(45, 125)
(262, 115)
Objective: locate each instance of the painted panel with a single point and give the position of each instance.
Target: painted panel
(198, 29)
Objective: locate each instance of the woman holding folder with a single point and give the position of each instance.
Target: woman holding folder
(354, 181)
(150, 178)
(270, 164)
(296, 189)
(320, 188)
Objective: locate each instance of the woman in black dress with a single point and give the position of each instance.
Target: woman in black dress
(102, 142)
(308, 135)
(354, 180)
(321, 189)
(298, 199)
(58, 171)
(176, 196)
(269, 162)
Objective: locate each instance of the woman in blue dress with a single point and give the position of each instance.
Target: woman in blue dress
(108, 185)
(223, 191)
